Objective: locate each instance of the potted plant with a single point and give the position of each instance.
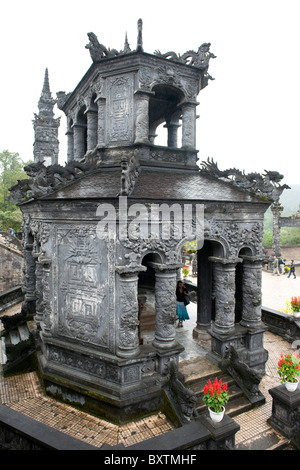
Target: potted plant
(215, 397)
(288, 370)
(295, 306)
(185, 271)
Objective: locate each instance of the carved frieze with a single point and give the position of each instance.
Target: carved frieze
(235, 236)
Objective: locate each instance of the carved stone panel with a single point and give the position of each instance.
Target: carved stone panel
(82, 285)
(120, 109)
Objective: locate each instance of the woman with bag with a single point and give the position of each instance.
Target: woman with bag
(182, 300)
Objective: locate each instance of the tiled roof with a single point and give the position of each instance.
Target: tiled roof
(155, 183)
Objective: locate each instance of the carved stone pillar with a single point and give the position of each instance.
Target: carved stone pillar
(189, 124)
(92, 128)
(224, 278)
(142, 116)
(79, 141)
(101, 103)
(251, 292)
(172, 134)
(30, 279)
(204, 299)
(70, 150)
(128, 344)
(165, 306)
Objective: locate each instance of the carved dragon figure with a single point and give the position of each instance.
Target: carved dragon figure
(266, 185)
(44, 179)
(199, 59)
(98, 51)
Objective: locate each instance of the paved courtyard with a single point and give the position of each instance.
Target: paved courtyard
(23, 393)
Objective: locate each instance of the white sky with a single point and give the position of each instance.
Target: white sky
(249, 115)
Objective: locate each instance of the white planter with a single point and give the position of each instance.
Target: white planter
(216, 417)
(291, 386)
(296, 314)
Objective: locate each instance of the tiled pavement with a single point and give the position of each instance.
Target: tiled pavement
(23, 393)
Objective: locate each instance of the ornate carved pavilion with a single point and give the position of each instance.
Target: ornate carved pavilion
(84, 288)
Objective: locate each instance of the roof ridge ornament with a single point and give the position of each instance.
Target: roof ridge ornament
(198, 59)
(265, 185)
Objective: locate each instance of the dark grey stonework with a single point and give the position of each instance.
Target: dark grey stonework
(84, 287)
(45, 147)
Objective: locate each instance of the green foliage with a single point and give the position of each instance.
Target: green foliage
(289, 236)
(11, 170)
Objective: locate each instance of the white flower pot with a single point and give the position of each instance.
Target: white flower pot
(216, 417)
(291, 386)
(296, 314)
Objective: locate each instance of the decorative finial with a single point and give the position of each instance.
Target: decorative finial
(46, 86)
(126, 45)
(139, 47)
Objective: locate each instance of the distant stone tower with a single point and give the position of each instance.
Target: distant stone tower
(45, 147)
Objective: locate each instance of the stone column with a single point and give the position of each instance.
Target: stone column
(92, 127)
(165, 306)
(251, 292)
(204, 299)
(128, 343)
(142, 116)
(224, 274)
(30, 279)
(70, 151)
(276, 209)
(189, 124)
(101, 103)
(172, 134)
(79, 140)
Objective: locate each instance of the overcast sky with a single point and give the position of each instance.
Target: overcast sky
(248, 116)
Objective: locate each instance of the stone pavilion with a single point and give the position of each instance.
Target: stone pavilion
(88, 249)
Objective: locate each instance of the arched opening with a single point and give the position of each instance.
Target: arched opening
(146, 299)
(164, 115)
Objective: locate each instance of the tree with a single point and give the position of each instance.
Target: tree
(11, 170)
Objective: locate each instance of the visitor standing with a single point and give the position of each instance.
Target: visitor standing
(292, 269)
(181, 302)
(275, 266)
(281, 266)
(11, 231)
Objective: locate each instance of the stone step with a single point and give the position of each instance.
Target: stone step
(266, 440)
(198, 371)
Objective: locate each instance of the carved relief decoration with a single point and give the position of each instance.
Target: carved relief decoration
(83, 288)
(121, 115)
(235, 236)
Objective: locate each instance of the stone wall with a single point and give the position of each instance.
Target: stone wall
(11, 262)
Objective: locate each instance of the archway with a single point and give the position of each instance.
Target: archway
(164, 109)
